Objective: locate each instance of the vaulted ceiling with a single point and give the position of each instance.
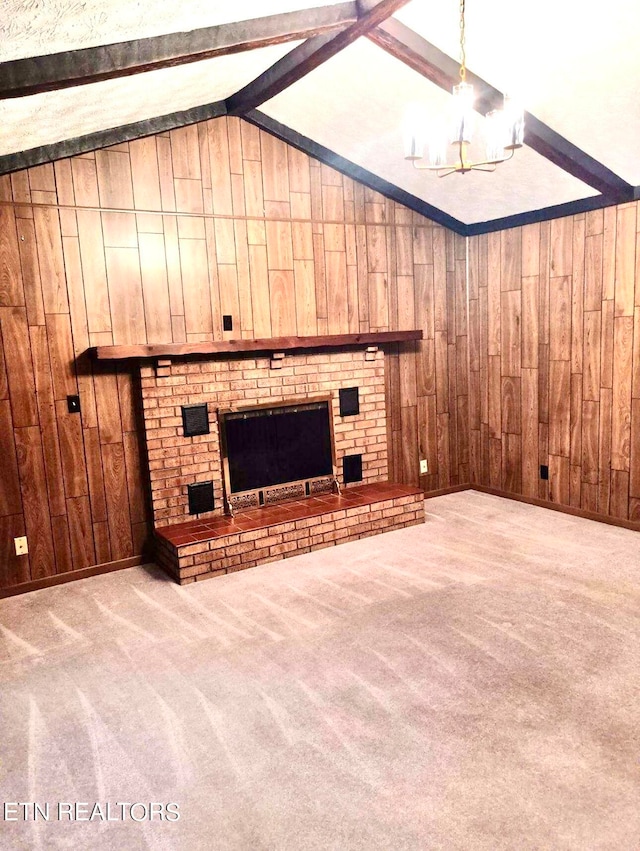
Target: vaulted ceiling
(335, 79)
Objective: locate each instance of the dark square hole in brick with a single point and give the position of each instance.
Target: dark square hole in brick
(349, 401)
(200, 497)
(227, 323)
(544, 472)
(352, 468)
(195, 420)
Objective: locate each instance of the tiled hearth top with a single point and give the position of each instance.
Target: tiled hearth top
(195, 531)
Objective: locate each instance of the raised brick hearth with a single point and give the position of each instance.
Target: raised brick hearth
(208, 544)
(202, 549)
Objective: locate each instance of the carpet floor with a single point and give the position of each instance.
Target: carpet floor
(473, 683)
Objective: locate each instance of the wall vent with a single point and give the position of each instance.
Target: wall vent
(200, 497)
(195, 420)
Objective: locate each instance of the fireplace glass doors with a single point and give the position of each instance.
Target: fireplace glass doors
(277, 452)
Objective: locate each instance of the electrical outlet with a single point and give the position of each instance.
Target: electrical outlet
(424, 467)
(21, 546)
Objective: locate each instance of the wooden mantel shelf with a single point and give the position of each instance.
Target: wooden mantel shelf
(267, 344)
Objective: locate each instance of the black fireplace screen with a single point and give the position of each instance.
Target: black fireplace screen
(274, 445)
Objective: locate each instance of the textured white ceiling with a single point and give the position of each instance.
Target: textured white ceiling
(575, 65)
(39, 27)
(354, 104)
(53, 116)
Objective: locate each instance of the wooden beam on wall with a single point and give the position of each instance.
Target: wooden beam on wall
(304, 58)
(409, 47)
(35, 74)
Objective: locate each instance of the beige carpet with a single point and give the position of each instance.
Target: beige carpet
(470, 684)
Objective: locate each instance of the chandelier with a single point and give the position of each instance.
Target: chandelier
(503, 130)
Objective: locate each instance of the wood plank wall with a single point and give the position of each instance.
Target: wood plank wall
(154, 241)
(554, 357)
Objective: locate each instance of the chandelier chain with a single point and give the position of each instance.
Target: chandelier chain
(463, 55)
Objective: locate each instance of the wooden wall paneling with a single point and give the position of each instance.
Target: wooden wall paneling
(115, 185)
(559, 479)
(52, 275)
(510, 258)
(561, 247)
(60, 341)
(94, 270)
(560, 318)
(606, 344)
(95, 477)
(593, 272)
(74, 468)
(245, 319)
(174, 270)
(15, 336)
(604, 450)
(135, 480)
(119, 230)
(219, 166)
(119, 519)
(337, 302)
(35, 504)
(363, 275)
(625, 260)
(282, 296)
(529, 421)
(155, 287)
(634, 481)
(85, 182)
(590, 431)
(260, 300)
(439, 278)
(30, 269)
(10, 495)
(609, 253)
(13, 569)
(194, 267)
(577, 293)
(83, 552)
(305, 297)
(559, 407)
(442, 448)
(125, 295)
(11, 288)
(254, 202)
(275, 168)
(575, 425)
(185, 152)
(62, 543)
(392, 279)
(165, 168)
(619, 505)
(621, 398)
(48, 419)
(145, 176)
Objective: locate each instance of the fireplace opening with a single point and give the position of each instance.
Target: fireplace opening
(277, 452)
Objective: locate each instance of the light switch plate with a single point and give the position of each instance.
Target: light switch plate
(424, 468)
(21, 546)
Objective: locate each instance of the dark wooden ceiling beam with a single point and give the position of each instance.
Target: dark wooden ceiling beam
(409, 47)
(36, 74)
(304, 58)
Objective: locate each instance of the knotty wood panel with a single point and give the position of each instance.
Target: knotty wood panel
(580, 360)
(153, 242)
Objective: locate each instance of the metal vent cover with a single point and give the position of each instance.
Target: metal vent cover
(352, 468)
(195, 420)
(349, 401)
(200, 497)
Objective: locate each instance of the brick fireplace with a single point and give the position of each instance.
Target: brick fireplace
(201, 530)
